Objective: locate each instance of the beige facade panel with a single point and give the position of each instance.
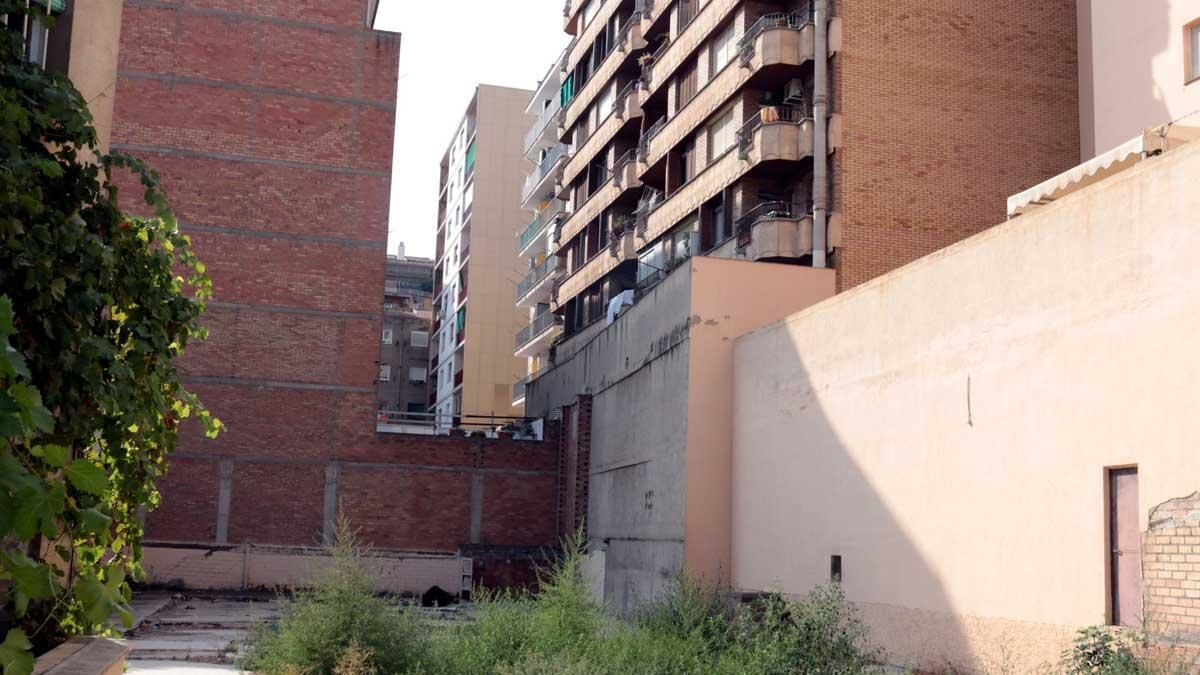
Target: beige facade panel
(711, 15)
(586, 95)
(601, 264)
(583, 42)
(586, 153)
(590, 210)
(948, 428)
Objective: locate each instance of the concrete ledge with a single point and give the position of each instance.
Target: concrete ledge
(84, 656)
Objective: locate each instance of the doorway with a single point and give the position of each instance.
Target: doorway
(1125, 546)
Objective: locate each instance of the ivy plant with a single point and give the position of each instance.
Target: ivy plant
(97, 303)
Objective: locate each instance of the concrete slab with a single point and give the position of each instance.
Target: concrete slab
(178, 668)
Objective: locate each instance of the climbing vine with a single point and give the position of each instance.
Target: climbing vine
(96, 305)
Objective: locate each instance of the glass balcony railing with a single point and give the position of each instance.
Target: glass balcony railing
(543, 169)
(537, 275)
(548, 115)
(544, 321)
(547, 215)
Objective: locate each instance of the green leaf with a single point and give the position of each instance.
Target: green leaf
(6, 317)
(29, 576)
(94, 522)
(55, 455)
(29, 402)
(16, 654)
(87, 476)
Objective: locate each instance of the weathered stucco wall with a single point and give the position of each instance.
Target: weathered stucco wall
(946, 428)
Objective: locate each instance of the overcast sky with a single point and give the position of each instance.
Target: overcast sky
(447, 48)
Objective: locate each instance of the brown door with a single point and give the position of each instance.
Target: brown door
(1126, 541)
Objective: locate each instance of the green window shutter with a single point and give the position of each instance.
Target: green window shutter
(567, 92)
(470, 157)
(55, 6)
(460, 320)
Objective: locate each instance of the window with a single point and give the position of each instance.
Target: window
(1191, 50)
(416, 375)
(687, 11)
(416, 407)
(385, 373)
(722, 50)
(720, 135)
(387, 336)
(650, 265)
(420, 338)
(589, 11)
(605, 106)
(687, 161)
(687, 84)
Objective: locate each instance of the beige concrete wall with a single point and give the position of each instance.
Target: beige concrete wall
(255, 567)
(493, 319)
(1131, 69)
(95, 37)
(729, 297)
(946, 428)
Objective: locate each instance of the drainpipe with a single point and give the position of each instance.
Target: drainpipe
(820, 131)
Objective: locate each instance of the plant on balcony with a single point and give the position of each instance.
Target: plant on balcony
(96, 304)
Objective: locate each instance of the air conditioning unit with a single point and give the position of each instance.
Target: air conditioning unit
(794, 93)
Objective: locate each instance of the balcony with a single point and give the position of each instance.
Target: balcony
(535, 287)
(547, 215)
(541, 181)
(779, 47)
(776, 133)
(626, 172)
(543, 130)
(536, 337)
(518, 396)
(620, 248)
(775, 230)
(628, 102)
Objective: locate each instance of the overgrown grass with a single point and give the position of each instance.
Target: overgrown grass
(340, 628)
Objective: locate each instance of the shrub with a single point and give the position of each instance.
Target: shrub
(340, 626)
(1101, 650)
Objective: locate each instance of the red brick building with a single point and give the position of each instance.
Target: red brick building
(271, 123)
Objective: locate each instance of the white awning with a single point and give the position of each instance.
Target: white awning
(1149, 142)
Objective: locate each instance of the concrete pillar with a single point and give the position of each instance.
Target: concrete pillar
(329, 526)
(224, 497)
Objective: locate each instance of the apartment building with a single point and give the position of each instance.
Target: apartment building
(403, 391)
(815, 146)
(471, 365)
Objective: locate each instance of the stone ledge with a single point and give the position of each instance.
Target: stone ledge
(84, 656)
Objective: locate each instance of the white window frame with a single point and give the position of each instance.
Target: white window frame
(722, 51)
(604, 106)
(386, 338)
(722, 135)
(417, 375)
(419, 338)
(1191, 50)
(385, 373)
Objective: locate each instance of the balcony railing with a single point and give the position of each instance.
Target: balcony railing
(627, 91)
(547, 215)
(519, 387)
(648, 66)
(543, 169)
(768, 115)
(544, 321)
(649, 201)
(644, 143)
(787, 20)
(634, 19)
(744, 225)
(548, 114)
(537, 275)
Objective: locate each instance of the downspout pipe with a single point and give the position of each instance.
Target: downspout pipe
(820, 132)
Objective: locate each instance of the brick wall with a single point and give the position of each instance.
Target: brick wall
(1171, 571)
(574, 467)
(949, 108)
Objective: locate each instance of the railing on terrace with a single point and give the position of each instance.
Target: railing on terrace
(537, 275)
(543, 169)
(548, 113)
(520, 426)
(644, 143)
(623, 34)
(625, 93)
(788, 20)
(744, 225)
(768, 115)
(648, 66)
(547, 215)
(649, 201)
(619, 165)
(544, 321)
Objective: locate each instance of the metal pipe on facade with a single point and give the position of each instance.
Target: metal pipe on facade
(821, 132)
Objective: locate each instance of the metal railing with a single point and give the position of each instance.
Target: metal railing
(539, 127)
(543, 169)
(744, 225)
(542, 323)
(644, 143)
(786, 20)
(648, 66)
(768, 115)
(547, 215)
(518, 388)
(619, 165)
(623, 96)
(623, 35)
(537, 275)
(649, 201)
(520, 425)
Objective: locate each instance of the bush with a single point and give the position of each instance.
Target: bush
(339, 627)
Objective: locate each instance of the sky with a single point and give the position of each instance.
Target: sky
(447, 48)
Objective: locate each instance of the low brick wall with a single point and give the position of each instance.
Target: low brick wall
(248, 567)
(1171, 571)
(84, 656)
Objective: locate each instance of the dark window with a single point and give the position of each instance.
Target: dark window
(687, 161)
(715, 225)
(687, 11)
(687, 83)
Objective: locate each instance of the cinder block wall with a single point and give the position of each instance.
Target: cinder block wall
(1171, 571)
(949, 107)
